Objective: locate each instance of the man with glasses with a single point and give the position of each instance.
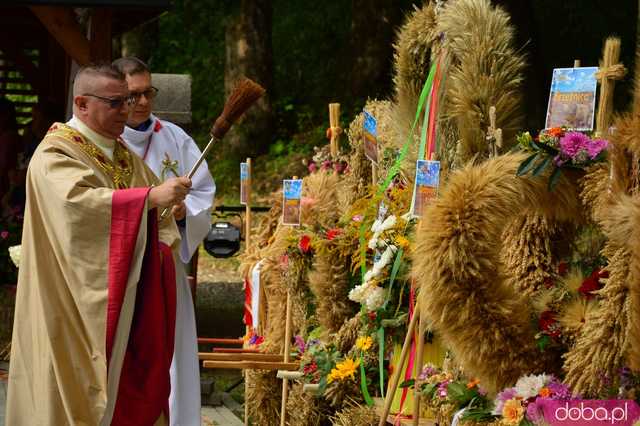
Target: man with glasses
(95, 306)
(169, 151)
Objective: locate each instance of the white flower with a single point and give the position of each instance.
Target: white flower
(375, 298)
(373, 243)
(358, 293)
(376, 225)
(14, 254)
(388, 223)
(370, 274)
(529, 386)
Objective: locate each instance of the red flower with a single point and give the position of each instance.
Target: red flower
(332, 233)
(310, 368)
(592, 283)
(372, 315)
(305, 244)
(548, 324)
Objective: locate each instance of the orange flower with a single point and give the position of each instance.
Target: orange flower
(545, 392)
(473, 383)
(556, 132)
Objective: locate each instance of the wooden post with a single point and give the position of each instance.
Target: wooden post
(398, 370)
(418, 369)
(101, 32)
(287, 347)
(610, 71)
(287, 340)
(576, 63)
(247, 214)
(334, 123)
(247, 244)
(60, 22)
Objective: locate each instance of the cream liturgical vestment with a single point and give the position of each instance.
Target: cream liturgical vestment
(170, 152)
(95, 308)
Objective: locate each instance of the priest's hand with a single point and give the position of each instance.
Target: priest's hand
(171, 192)
(179, 211)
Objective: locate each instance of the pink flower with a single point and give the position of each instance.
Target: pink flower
(595, 147)
(326, 165)
(357, 218)
(4, 234)
(312, 167)
(572, 143)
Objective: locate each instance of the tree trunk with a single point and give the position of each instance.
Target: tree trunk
(249, 54)
(373, 26)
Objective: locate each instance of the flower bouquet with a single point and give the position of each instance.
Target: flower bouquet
(559, 149)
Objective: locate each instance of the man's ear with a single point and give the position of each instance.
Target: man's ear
(80, 102)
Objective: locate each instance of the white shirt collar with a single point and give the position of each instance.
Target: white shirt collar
(106, 144)
(139, 137)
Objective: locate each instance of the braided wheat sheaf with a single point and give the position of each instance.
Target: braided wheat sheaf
(463, 286)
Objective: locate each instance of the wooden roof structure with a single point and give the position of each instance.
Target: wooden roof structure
(41, 39)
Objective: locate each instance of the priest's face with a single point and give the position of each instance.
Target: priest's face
(106, 108)
(140, 87)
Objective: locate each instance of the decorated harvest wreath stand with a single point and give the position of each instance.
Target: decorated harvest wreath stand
(452, 267)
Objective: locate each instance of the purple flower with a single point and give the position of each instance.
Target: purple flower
(427, 371)
(559, 390)
(443, 389)
(503, 397)
(595, 147)
(300, 344)
(534, 411)
(572, 143)
(558, 160)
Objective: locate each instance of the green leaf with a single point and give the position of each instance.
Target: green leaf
(543, 342)
(429, 389)
(363, 384)
(554, 178)
(407, 383)
(527, 164)
(542, 166)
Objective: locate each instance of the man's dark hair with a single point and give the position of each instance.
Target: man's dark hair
(96, 70)
(131, 65)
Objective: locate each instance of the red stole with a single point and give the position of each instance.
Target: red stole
(143, 393)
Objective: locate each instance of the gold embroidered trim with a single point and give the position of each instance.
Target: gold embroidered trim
(120, 169)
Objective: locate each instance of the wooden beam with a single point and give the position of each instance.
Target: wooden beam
(220, 341)
(251, 365)
(62, 25)
(239, 357)
(101, 31)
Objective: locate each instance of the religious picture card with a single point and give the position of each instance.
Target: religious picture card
(292, 195)
(370, 135)
(426, 186)
(244, 182)
(572, 100)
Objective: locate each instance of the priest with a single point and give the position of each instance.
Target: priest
(170, 152)
(95, 305)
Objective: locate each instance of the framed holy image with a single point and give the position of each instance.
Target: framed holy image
(291, 197)
(426, 185)
(572, 99)
(244, 181)
(370, 137)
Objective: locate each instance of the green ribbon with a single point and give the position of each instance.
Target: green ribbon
(363, 384)
(393, 171)
(425, 121)
(380, 334)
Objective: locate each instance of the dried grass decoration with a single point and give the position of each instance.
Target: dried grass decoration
(463, 289)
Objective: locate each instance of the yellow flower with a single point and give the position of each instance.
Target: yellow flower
(344, 369)
(402, 242)
(364, 343)
(512, 412)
